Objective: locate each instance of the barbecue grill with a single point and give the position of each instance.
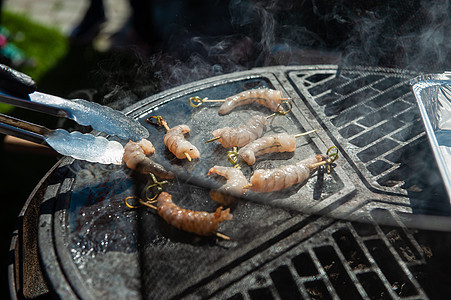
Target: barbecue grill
(375, 227)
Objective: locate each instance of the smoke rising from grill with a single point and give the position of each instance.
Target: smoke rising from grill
(197, 43)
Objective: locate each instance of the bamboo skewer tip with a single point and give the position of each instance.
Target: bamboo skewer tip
(305, 133)
(222, 236)
(213, 139)
(187, 156)
(247, 186)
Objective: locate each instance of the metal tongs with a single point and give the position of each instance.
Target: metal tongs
(20, 90)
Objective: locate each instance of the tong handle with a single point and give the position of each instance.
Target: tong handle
(15, 82)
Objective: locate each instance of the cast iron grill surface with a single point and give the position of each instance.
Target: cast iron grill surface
(348, 260)
(93, 246)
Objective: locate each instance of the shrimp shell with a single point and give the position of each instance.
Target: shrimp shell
(266, 97)
(135, 158)
(243, 135)
(233, 188)
(277, 179)
(198, 222)
(175, 141)
(281, 142)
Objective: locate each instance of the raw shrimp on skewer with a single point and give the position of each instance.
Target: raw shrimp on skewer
(241, 136)
(233, 188)
(135, 157)
(269, 98)
(175, 140)
(271, 180)
(281, 142)
(265, 97)
(244, 134)
(198, 222)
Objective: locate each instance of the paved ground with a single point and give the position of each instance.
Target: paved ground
(65, 14)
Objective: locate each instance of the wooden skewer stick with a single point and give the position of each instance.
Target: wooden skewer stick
(318, 164)
(199, 100)
(305, 133)
(213, 139)
(247, 186)
(196, 99)
(222, 236)
(296, 136)
(188, 157)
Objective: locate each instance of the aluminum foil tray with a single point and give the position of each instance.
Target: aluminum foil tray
(433, 95)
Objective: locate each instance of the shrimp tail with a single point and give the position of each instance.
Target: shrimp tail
(223, 215)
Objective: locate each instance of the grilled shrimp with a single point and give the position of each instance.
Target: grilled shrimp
(243, 135)
(277, 179)
(198, 222)
(227, 193)
(176, 143)
(135, 158)
(282, 142)
(266, 97)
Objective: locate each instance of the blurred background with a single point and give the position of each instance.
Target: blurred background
(117, 52)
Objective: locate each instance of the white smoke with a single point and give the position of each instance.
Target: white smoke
(402, 34)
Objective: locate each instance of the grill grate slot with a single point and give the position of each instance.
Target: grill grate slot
(364, 229)
(376, 134)
(317, 290)
(391, 269)
(317, 77)
(373, 286)
(408, 133)
(376, 150)
(236, 297)
(304, 265)
(261, 293)
(351, 251)
(285, 284)
(344, 103)
(351, 114)
(387, 82)
(332, 83)
(435, 284)
(373, 119)
(410, 116)
(396, 236)
(357, 84)
(389, 96)
(336, 273)
(378, 167)
(351, 130)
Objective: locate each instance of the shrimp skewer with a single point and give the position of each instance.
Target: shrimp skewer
(135, 157)
(233, 188)
(281, 142)
(175, 140)
(198, 222)
(242, 135)
(269, 98)
(277, 179)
